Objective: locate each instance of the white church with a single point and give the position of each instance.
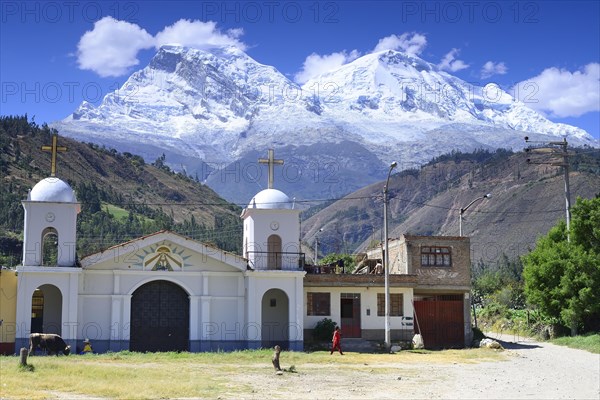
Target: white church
(163, 291)
(166, 292)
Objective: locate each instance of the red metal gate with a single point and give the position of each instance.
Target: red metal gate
(440, 322)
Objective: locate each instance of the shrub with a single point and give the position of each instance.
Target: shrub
(323, 330)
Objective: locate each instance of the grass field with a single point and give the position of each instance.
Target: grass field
(590, 343)
(117, 212)
(239, 374)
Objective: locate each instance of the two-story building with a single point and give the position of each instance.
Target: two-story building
(441, 266)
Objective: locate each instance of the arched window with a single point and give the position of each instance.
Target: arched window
(49, 246)
(274, 252)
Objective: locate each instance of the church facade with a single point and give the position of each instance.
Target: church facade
(163, 291)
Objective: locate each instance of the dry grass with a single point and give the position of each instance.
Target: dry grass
(128, 375)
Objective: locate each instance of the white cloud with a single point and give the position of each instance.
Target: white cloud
(112, 47)
(315, 64)
(561, 93)
(490, 69)
(451, 63)
(411, 43)
(199, 35)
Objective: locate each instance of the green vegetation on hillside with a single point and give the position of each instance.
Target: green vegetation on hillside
(121, 196)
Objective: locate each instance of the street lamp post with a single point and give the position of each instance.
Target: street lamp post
(317, 245)
(388, 342)
(462, 211)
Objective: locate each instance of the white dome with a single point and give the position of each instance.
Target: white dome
(52, 189)
(271, 199)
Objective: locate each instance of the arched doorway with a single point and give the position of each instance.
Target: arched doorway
(46, 310)
(275, 327)
(160, 318)
(274, 252)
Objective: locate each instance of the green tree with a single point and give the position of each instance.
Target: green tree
(585, 226)
(562, 278)
(331, 258)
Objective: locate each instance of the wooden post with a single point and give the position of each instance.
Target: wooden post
(23, 359)
(276, 358)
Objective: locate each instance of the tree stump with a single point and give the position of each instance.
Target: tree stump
(276, 358)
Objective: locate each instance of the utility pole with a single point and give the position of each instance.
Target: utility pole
(558, 156)
(386, 258)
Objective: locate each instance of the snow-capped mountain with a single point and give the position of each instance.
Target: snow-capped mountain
(214, 113)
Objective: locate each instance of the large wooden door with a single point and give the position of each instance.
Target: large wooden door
(160, 315)
(440, 322)
(350, 315)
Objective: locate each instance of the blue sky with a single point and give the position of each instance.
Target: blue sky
(55, 54)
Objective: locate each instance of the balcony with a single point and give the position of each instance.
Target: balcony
(273, 261)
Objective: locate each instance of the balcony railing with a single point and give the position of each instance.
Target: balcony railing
(279, 260)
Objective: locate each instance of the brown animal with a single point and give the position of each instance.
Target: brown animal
(49, 342)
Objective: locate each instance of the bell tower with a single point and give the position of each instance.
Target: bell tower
(272, 228)
(50, 220)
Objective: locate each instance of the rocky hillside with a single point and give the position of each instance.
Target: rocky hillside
(526, 200)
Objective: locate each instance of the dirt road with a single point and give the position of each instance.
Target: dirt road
(531, 370)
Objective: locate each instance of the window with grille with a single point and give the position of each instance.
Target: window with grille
(318, 303)
(396, 304)
(433, 256)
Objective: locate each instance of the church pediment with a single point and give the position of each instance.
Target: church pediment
(167, 252)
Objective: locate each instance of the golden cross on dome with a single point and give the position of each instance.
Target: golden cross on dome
(271, 161)
(54, 148)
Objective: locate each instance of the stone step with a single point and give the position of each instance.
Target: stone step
(359, 345)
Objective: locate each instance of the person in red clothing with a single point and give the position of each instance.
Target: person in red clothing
(336, 340)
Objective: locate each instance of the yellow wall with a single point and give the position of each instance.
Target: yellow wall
(8, 305)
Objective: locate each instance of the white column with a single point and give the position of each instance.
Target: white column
(70, 302)
(299, 300)
(116, 322)
(195, 318)
(126, 316)
(251, 303)
(24, 294)
(205, 318)
(241, 309)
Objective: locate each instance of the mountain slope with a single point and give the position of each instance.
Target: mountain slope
(213, 112)
(527, 200)
(119, 192)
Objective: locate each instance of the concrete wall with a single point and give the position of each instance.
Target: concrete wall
(372, 325)
(8, 310)
(405, 258)
(459, 274)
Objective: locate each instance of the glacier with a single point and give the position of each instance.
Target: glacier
(214, 112)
